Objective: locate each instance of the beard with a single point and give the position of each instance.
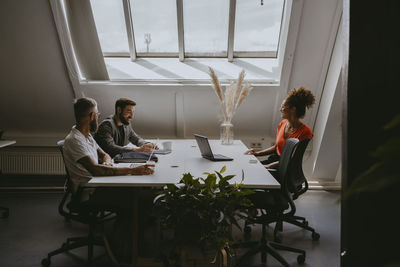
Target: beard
(94, 125)
(123, 120)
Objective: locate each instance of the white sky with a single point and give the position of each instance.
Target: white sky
(206, 25)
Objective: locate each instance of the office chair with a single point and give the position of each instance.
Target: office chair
(270, 205)
(294, 185)
(71, 208)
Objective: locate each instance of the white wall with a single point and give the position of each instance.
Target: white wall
(35, 91)
(36, 94)
(324, 161)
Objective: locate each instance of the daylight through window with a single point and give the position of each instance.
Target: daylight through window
(189, 28)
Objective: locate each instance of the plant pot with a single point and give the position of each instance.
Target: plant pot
(191, 256)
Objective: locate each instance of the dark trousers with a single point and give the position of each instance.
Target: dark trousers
(119, 200)
(271, 158)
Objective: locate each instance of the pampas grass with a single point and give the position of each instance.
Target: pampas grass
(230, 100)
(233, 96)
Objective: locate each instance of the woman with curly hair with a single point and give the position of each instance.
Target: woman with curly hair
(293, 108)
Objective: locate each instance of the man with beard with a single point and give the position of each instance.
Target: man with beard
(84, 159)
(115, 132)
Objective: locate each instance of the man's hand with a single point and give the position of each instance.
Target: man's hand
(105, 159)
(147, 148)
(143, 170)
(250, 152)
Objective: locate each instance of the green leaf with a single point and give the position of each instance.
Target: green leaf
(219, 175)
(171, 187)
(210, 181)
(228, 177)
(393, 123)
(202, 210)
(187, 179)
(223, 169)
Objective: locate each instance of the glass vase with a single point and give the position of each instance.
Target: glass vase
(226, 133)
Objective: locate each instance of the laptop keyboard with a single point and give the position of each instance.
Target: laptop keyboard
(220, 156)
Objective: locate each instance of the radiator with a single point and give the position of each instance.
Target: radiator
(30, 162)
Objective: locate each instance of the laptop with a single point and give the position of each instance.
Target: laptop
(205, 149)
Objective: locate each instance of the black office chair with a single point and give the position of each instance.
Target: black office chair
(294, 185)
(270, 205)
(71, 208)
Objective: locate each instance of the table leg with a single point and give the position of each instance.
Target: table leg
(135, 226)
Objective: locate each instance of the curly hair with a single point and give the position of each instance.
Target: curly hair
(301, 98)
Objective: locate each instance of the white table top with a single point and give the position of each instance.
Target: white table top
(4, 143)
(185, 157)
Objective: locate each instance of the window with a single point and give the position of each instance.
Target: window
(110, 25)
(189, 28)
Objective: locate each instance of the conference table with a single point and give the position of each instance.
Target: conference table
(186, 157)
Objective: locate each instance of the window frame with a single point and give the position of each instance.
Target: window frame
(230, 55)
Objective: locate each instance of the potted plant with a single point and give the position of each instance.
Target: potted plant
(200, 213)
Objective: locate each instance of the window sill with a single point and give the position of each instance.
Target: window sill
(191, 71)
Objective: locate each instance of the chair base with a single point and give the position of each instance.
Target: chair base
(73, 243)
(298, 221)
(265, 247)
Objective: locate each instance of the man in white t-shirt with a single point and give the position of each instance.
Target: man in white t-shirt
(84, 159)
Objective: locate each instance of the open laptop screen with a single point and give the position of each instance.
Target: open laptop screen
(204, 146)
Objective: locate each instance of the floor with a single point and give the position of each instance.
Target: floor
(34, 228)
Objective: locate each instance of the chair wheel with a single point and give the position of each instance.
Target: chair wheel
(46, 262)
(247, 229)
(301, 259)
(315, 236)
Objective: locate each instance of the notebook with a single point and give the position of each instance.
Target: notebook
(206, 151)
(135, 157)
(161, 151)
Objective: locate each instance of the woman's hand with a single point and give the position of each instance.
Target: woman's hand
(251, 152)
(272, 165)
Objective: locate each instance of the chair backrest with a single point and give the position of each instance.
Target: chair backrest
(285, 160)
(60, 145)
(292, 179)
(68, 195)
(71, 206)
(297, 182)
